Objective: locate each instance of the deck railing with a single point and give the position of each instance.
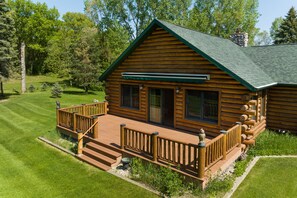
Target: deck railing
(195, 158)
(82, 119)
(88, 109)
(214, 150)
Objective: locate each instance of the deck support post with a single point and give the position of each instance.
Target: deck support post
(122, 140)
(224, 132)
(79, 143)
(201, 159)
(105, 107)
(96, 127)
(239, 133)
(74, 121)
(155, 146)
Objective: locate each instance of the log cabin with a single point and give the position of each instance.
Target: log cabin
(173, 85)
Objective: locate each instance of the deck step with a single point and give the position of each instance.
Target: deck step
(103, 150)
(94, 162)
(99, 157)
(111, 147)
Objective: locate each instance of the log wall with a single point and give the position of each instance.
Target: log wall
(161, 52)
(282, 109)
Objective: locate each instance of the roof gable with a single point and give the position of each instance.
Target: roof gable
(223, 53)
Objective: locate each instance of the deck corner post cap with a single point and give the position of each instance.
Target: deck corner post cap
(201, 144)
(123, 125)
(223, 131)
(155, 133)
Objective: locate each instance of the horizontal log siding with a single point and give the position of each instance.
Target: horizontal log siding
(161, 52)
(282, 108)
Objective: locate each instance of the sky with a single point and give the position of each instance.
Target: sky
(268, 9)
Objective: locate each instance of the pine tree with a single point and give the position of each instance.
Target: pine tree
(8, 55)
(287, 32)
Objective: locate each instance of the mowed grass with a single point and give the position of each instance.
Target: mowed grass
(29, 168)
(270, 177)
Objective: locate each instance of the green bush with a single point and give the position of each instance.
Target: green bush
(162, 179)
(32, 88)
(57, 91)
(43, 87)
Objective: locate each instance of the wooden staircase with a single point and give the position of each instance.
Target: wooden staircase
(101, 155)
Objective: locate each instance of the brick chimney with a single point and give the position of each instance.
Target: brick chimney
(240, 38)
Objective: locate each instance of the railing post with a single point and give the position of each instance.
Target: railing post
(105, 107)
(74, 121)
(58, 106)
(83, 109)
(79, 143)
(224, 132)
(155, 146)
(122, 140)
(239, 134)
(96, 127)
(201, 159)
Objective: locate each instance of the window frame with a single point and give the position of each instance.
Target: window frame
(202, 119)
(130, 106)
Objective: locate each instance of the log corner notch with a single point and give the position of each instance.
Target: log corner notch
(249, 112)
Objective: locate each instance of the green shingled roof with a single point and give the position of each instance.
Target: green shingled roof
(240, 63)
(278, 61)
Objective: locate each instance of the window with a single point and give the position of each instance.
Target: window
(130, 96)
(202, 105)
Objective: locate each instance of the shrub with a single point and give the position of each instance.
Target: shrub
(57, 91)
(162, 179)
(43, 87)
(32, 88)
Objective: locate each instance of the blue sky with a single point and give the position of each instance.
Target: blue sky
(269, 9)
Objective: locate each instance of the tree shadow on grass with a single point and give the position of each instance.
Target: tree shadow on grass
(6, 96)
(79, 93)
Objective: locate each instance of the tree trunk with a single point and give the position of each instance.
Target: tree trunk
(23, 65)
(1, 88)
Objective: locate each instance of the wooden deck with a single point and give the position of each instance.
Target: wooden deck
(107, 134)
(109, 130)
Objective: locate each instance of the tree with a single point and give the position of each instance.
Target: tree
(61, 46)
(135, 15)
(263, 38)
(85, 69)
(275, 26)
(223, 17)
(8, 55)
(35, 24)
(287, 32)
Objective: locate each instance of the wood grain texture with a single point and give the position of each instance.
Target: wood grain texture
(161, 52)
(282, 108)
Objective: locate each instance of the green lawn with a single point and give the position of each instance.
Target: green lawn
(29, 168)
(270, 177)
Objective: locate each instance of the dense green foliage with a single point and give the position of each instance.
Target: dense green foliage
(223, 17)
(30, 168)
(270, 177)
(35, 24)
(163, 179)
(287, 31)
(8, 54)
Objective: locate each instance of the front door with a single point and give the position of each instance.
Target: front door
(161, 106)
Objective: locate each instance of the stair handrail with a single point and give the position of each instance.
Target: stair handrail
(80, 137)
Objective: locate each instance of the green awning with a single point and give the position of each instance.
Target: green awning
(169, 77)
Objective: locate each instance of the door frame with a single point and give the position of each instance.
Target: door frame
(148, 103)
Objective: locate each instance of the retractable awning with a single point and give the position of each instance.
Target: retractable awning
(170, 77)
